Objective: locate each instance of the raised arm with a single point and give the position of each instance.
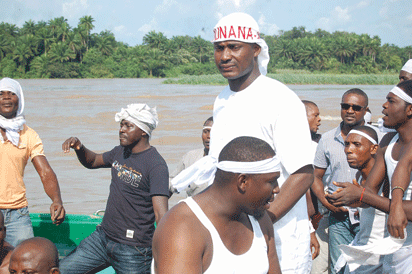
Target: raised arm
(51, 187)
(87, 158)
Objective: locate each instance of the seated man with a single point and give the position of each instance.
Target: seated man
(35, 255)
(138, 197)
(5, 248)
(225, 229)
(194, 155)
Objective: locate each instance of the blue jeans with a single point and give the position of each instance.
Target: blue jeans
(341, 231)
(98, 252)
(18, 225)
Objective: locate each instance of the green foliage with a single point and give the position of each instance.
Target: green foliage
(54, 49)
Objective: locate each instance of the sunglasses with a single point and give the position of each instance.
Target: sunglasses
(354, 107)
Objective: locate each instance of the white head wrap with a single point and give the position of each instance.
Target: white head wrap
(257, 167)
(408, 66)
(141, 115)
(242, 27)
(367, 117)
(354, 131)
(401, 94)
(14, 125)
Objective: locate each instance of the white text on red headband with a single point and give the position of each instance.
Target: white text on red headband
(242, 33)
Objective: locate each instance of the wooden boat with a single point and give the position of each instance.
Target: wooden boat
(69, 234)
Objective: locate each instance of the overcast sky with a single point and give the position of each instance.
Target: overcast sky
(130, 20)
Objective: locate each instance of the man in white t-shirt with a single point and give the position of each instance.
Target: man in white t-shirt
(255, 105)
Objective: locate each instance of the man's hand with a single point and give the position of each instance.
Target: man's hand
(349, 195)
(57, 213)
(397, 221)
(314, 245)
(72, 142)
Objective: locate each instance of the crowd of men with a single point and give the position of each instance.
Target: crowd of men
(252, 190)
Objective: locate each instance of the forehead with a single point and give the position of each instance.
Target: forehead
(230, 42)
(310, 108)
(353, 98)
(356, 138)
(406, 75)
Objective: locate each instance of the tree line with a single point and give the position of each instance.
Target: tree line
(54, 49)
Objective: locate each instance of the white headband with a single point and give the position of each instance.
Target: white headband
(364, 135)
(141, 115)
(242, 27)
(257, 167)
(401, 94)
(408, 66)
(207, 127)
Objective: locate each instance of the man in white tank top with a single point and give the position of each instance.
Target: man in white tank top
(395, 152)
(225, 228)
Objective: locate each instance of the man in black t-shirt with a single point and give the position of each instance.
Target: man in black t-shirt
(138, 197)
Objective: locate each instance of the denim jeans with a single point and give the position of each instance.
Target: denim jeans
(98, 252)
(18, 225)
(341, 231)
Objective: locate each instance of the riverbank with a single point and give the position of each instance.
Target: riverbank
(296, 78)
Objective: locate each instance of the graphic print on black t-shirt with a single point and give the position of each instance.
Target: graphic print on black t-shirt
(127, 174)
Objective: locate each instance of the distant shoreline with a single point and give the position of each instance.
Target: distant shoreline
(296, 78)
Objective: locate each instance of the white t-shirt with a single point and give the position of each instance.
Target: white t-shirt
(269, 110)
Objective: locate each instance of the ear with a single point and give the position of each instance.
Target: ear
(54, 270)
(256, 50)
(374, 149)
(242, 183)
(409, 110)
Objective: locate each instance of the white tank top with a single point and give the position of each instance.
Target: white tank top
(255, 260)
(390, 167)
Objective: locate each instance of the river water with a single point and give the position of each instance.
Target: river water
(85, 108)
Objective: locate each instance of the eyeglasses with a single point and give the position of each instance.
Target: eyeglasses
(348, 106)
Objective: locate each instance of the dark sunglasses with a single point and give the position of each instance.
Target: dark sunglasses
(354, 107)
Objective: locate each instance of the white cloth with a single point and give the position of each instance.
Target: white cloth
(255, 260)
(363, 134)
(401, 94)
(367, 117)
(141, 115)
(239, 26)
(257, 167)
(399, 261)
(382, 128)
(15, 125)
(408, 66)
(361, 252)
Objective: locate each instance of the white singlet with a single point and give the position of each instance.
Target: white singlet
(255, 260)
(401, 260)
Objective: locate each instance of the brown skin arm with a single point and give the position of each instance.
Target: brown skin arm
(314, 245)
(160, 206)
(51, 187)
(179, 242)
(318, 190)
(291, 191)
(267, 230)
(309, 203)
(86, 157)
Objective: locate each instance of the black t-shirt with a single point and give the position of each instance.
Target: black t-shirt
(129, 217)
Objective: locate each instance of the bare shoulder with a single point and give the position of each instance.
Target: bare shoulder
(387, 139)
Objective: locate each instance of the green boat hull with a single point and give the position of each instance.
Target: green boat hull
(69, 234)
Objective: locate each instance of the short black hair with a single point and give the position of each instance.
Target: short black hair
(369, 131)
(210, 119)
(406, 86)
(359, 92)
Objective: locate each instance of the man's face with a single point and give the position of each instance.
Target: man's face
(129, 133)
(394, 111)
(358, 150)
(206, 134)
(27, 263)
(313, 115)
(262, 191)
(353, 109)
(9, 104)
(235, 59)
(404, 76)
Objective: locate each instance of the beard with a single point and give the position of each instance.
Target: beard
(258, 214)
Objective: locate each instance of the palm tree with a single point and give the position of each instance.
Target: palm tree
(61, 52)
(45, 39)
(155, 39)
(87, 23)
(200, 47)
(21, 54)
(29, 27)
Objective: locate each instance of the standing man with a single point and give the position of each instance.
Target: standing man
(257, 106)
(138, 197)
(192, 156)
(330, 154)
(35, 255)
(18, 144)
(225, 229)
